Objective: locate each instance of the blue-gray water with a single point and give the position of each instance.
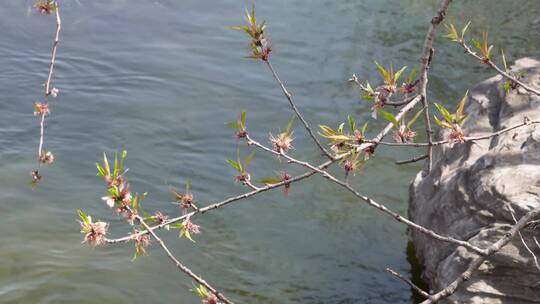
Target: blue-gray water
(159, 78)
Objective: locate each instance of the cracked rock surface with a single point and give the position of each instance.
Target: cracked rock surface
(471, 191)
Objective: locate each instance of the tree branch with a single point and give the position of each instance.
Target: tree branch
(495, 247)
(404, 279)
(465, 139)
(181, 266)
(370, 201)
(427, 56)
(498, 70)
(295, 109)
(54, 48)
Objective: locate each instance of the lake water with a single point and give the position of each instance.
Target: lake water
(159, 78)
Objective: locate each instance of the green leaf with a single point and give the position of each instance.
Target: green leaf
(233, 125)
(461, 106)
(243, 117)
(249, 158)
(116, 166)
(390, 117)
(415, 118)
(106, 164)
(462, 120)
(238, 161)
(176, 226)
(340, 127)
(237, 28)
(464, 30)
(412, 75)
(504, 62)
(364, 128)
(289, 126)
(269, 180)
(352, 123)
(382, 70)
(437, 121)
(100, 169)
(477, 43)
(507, 87)
(398, 73)
(489, 51)
(135, 202)
(327, 130)
(444, 112)
(83, 217)
(188, 235)
(235, 165)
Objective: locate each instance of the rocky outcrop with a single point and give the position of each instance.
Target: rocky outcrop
(472, 189)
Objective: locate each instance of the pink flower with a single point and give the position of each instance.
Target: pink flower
(109, 200)
(242, 178)
(142, 241)
(94, 233)
(211, 299)
(456, 135)
(41, 109)
(190, 227)
(281, 143)
(285, 177)
(54, 92)
(36, 177)
(404, 134)
(45, 7)
(46, 157)
(161, 218)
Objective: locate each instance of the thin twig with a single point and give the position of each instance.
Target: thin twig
(465, 139)
(373, 142)
(41, 137)
(397, 103)
(295, 109)
(426, 58)
(246, 195)
(412, 160)
(220, 204)
(523, 240)
(54, 48)
(181, 266)
(473, 266)
(384, 209)
(409, 282)
(49, 79)
(498, 70)
(370, 201)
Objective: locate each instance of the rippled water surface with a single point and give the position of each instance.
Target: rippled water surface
(159, 78)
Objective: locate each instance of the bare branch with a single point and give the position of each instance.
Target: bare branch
(412, 160)
(404, 279)
(473, 266)
(220, 204)
(370, 201)
(466, 138)
(427, 57)
(41, 137)
(523, 240)
(54, 48)
(295, 109)
(181, 266)
(498, 70)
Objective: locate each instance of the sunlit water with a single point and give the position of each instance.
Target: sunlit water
(159, 78)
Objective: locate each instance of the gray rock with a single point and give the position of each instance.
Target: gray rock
(472, 189)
